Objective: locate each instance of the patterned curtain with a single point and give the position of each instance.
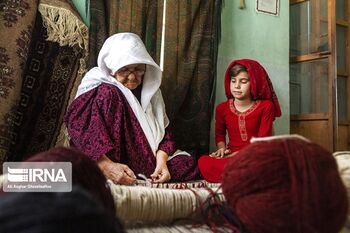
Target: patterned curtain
(189, 70)
(142, 17)
(98, 30)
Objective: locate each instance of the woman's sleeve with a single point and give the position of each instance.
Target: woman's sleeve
(90, 120)
(266, 123)
(220, 125)
(168, 145)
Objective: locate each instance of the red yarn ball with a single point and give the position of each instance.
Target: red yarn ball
(286, 185)
(85, 173)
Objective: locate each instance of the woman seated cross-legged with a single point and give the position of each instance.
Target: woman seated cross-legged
(118, 117)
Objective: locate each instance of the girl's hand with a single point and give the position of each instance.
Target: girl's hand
(221, 153)
(231, 154)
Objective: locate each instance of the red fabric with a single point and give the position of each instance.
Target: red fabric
(260, 83)
(211, 168)
(286, 185)
(242, 126)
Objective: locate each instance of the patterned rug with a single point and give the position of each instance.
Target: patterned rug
(49, 76)
(16, 25)
(41, 64)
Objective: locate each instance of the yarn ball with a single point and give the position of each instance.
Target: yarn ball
(343, 161)
(286, 185)
(85, 173)
(49, 212)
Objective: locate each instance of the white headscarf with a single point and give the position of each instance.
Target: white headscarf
(120, 50)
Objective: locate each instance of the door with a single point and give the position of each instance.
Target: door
(318, 77)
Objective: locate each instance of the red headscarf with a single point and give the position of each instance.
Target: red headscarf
(286, 185)
(260, 84)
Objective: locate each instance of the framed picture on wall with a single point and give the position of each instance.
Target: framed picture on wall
(268, 6)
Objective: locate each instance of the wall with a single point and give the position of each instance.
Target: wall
(262, 37)
(81, 7)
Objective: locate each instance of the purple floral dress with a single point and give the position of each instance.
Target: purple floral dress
(101, 121)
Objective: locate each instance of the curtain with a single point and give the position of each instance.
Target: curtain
(98, 30)
(142, 17)
(191, 35)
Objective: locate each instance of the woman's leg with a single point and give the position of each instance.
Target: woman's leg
(183, 168)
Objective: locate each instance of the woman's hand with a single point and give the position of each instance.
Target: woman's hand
(117, 172)
(161, 174)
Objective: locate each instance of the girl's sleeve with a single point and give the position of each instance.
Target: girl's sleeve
(266, 123)
(168, 145)
(220, 125)
(91, 120)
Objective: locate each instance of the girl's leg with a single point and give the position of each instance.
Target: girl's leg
(211, 168)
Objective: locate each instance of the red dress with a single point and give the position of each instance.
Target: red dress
(257, 121)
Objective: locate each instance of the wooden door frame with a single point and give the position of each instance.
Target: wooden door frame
(332, 114)
(332, 69)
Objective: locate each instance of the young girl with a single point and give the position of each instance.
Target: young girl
(249, 111)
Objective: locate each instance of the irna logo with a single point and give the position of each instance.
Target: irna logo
(36, 175)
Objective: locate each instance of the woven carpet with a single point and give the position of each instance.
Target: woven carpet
(51, 72)
(16, 25)
(48, 79)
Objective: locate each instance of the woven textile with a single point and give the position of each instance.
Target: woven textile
(16, 25)
(50, 76)
(145, 206)
(48, 79)
(138, 205)
(179, 185)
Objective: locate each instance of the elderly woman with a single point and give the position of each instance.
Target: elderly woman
(118, 117)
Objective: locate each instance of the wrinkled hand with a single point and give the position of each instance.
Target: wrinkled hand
(161, 174)
(117, 172)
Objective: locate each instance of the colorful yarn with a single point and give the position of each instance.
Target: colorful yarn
(286, 185)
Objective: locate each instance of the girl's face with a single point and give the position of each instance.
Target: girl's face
(131, 75)
(240, 86)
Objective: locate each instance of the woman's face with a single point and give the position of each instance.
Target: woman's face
(131, 75)
(240, 86)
